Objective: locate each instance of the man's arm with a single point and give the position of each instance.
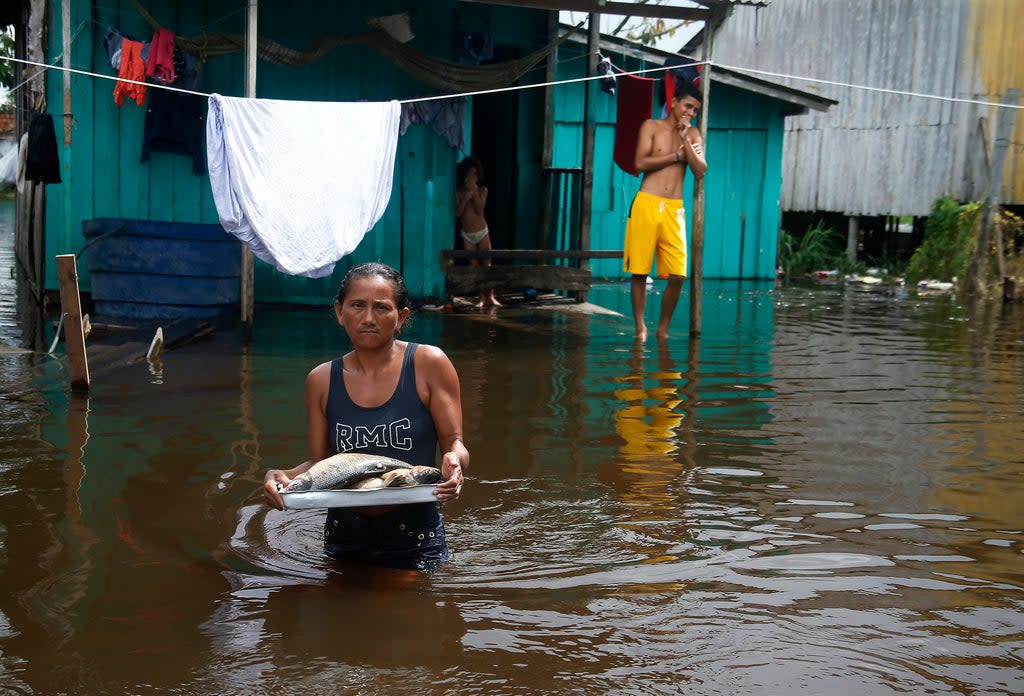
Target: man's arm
(645, 160)
(693, 147)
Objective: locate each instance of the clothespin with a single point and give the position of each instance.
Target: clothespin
(605, 68)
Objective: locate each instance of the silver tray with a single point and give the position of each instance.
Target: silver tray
(404, 495)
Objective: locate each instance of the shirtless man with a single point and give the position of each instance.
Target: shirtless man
(470, 200)
(656, 223)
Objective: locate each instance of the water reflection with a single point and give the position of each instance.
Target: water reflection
(66, 562)
(648, 420)
(647, 470)
(815, 497)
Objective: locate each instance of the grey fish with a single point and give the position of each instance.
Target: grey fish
(397, 478)
(371, 483)
(342, 470)
(426, 474)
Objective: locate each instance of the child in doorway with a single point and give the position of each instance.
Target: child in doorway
(470, 200)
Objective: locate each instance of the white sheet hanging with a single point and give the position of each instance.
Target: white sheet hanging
(301, 183)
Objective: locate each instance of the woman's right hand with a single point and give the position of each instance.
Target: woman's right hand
(271, 480)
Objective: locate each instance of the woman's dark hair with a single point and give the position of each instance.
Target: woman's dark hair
(463, 167)
(375, 268)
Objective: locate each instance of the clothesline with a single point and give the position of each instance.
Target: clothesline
(555, 83)
(898, 92)
(115, 78)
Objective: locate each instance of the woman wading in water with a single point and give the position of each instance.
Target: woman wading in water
(390, 398)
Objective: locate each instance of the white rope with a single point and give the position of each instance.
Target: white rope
(105, 77)
(37, 73)
(401, 101)
(899, 92)
(555, 83)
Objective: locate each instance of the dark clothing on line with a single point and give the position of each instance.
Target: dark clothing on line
(176, 123)
(42, 164)
(635, 101)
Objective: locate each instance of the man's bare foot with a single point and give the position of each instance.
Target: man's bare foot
(641, 335)
(479, 304)
(494, 301)
(662, 334)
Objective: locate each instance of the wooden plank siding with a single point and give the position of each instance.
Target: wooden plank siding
(103, 175)
(880, 153)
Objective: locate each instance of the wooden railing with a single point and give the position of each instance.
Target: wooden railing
(560, 223)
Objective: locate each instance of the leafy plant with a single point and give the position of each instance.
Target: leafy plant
(817, 249)
(6, 69)
(950, 235)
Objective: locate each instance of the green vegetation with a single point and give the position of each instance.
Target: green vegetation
(647, 30)
(946, 252)
(6, 70)
(950, 236)
(1012, 227)
(818, 249)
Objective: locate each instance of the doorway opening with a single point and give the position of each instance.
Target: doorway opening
(495, 143)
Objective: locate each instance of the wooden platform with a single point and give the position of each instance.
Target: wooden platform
(470, 280)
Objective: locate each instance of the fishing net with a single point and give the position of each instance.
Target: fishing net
(447, 75)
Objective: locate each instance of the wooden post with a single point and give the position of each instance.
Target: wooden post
(67, 152)
(589, 130)
(248, 289)
(71, 307)
(697, 238)
(550, 72)
(852, 234)
(65, 20)
(1000, 145)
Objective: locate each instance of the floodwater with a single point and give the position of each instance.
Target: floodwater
(820, 496)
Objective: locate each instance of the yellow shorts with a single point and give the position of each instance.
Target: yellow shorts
(655, 225)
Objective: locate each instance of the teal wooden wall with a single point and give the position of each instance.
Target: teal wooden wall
(742, 187)
(103, 176)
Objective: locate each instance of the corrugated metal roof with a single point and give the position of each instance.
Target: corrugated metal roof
(880, 153)
(693, 9)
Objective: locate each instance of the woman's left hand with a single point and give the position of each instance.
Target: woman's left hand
(451, 471)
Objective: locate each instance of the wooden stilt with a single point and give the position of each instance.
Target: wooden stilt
(697, 232)
(978, 269)
(71, 309)
(248, 282)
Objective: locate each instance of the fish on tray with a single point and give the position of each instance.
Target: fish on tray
(397, 478)
(364, 471)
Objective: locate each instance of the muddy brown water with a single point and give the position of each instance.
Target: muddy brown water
(820, 496)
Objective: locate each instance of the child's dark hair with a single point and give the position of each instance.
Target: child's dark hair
(375, 268)
(463, 167)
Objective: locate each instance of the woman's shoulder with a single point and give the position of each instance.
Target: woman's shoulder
(427, 355)
(321, 371)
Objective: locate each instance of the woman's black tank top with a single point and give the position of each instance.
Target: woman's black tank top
(401, 427)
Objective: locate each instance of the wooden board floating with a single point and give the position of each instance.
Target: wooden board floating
(156, 344)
